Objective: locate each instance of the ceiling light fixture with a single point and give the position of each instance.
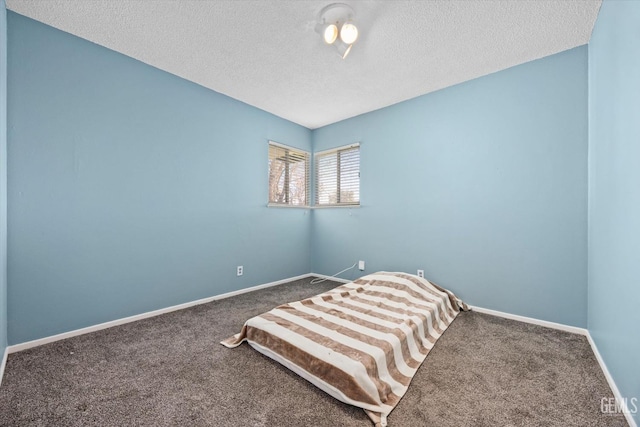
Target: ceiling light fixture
(337, 19)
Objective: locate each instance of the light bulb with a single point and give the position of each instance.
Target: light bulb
(349, 33)
(330, 33)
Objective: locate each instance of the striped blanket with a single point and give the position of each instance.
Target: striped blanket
(361, 342)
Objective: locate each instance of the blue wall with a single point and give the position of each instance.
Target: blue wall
(614, 192)
(131, 189)
(483, 185)
(3, 178)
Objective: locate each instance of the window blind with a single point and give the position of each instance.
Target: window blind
(288, 176)
(338, 176)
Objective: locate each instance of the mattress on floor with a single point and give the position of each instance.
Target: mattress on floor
(361, 342)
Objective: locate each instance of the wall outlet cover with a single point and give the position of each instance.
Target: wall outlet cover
(361, 265)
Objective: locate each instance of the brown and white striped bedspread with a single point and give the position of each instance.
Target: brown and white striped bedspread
(361, 342)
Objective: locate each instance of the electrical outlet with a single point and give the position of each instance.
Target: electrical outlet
(240, 270)
(361, 265)
(421, 273)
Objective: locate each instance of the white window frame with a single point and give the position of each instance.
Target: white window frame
(288, 203)
(316, 157)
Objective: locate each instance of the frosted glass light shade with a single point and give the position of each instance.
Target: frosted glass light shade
(349, 33)
(330, 33)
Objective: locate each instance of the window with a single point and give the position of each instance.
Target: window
(338, 176)
(288, 176)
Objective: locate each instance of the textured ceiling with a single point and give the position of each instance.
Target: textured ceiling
(266, 53)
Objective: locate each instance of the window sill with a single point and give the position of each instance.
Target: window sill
(275, 205)
(335, 206)
(272, 205)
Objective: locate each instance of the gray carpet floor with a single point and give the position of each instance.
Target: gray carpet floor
(171, 370)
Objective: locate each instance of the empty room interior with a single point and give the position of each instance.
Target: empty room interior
(286, 213)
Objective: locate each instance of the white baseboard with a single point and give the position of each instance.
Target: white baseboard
(545, 323)
(612, 383)
(46, 340)
(3, 364)
(575, 330)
